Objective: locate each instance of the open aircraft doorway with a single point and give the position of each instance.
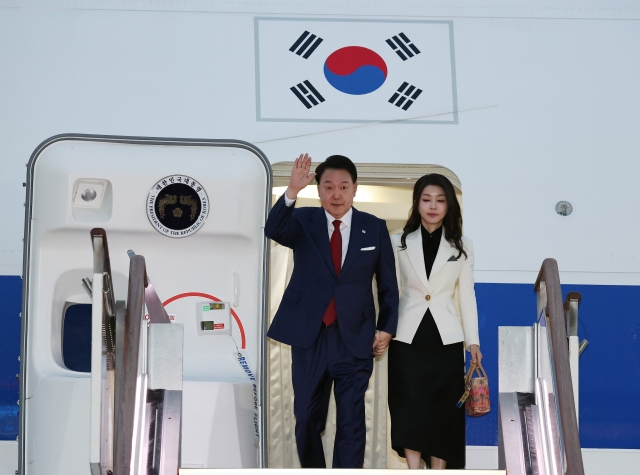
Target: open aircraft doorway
(384, 190)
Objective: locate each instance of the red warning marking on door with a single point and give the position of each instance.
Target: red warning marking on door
(218, 326)
(243, 338)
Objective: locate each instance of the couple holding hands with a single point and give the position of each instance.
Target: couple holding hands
(328, 317)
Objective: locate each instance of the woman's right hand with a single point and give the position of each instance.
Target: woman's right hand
(476, 355)
(300, 176)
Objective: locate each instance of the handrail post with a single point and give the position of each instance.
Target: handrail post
(571, 304)
(541, 298)
(103, 358)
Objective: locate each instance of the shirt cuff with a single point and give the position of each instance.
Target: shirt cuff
(288, 201)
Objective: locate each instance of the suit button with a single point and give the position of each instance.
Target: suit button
(336, 284)
(427, 297)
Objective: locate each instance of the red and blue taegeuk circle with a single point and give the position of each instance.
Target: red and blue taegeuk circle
(355, 70)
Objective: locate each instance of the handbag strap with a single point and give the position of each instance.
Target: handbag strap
(476, 367)
(467, 378)
(481, 371)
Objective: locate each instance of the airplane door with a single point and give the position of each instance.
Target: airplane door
(195, 209)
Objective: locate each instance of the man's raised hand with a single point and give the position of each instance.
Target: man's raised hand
(300, 176)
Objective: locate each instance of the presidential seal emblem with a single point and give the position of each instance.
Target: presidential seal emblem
(177, 206)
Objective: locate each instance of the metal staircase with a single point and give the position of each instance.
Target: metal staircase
(136, 374)
(538, 373)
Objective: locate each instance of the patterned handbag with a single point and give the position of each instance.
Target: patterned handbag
(477, 392)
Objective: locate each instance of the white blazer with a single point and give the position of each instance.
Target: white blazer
(449, 293)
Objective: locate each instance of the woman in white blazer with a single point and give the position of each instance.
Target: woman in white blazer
(438, 319)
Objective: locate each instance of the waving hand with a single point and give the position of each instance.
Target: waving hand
(300, 176)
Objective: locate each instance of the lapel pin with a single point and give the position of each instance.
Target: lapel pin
(364, 232)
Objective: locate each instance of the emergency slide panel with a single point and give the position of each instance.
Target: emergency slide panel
(195, 209)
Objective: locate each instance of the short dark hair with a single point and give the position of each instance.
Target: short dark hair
(337, 162)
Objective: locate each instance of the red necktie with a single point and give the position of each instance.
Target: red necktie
(330, 315)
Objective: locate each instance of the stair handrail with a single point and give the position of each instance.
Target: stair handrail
(127, 376)
(549, 294)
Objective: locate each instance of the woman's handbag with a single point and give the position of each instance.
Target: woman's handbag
(477, 392)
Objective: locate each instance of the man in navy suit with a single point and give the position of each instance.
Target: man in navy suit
(327, 312)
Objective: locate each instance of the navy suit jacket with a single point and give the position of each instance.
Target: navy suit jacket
(313, 282)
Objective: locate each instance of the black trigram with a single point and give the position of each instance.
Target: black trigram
(403, 46)
(306, 43)
(405, 96)
(307, 94)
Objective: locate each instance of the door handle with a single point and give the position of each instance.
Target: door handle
(236, 289)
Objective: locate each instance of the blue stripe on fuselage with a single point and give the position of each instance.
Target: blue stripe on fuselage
(10, 303)
(609, 369)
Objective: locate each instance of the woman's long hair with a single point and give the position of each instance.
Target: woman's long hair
(452, 222)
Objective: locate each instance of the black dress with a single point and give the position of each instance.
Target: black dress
(426, 380)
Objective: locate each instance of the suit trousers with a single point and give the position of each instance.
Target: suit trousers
(313, 371)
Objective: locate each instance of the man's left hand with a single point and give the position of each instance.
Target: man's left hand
(380, 342)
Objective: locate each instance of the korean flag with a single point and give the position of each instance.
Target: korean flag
(332, 70)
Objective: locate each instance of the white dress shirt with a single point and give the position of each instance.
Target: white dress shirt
(345, 226)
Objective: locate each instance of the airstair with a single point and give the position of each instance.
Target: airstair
(538, 385)
(136, 411)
